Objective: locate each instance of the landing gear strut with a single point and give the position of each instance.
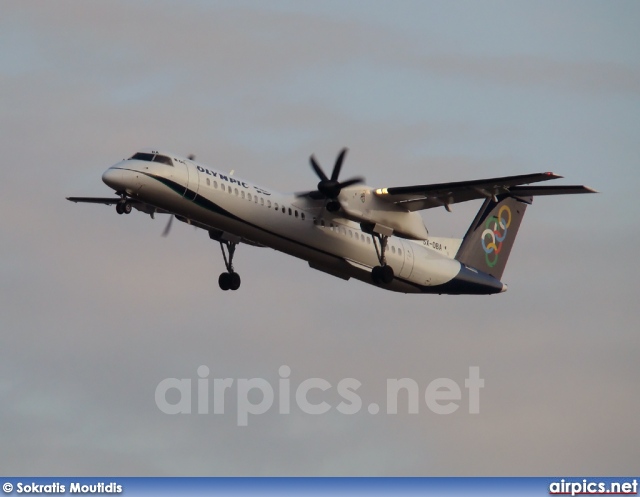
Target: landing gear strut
(229, 280)
(382, 273)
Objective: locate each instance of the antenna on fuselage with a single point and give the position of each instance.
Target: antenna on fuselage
(232, 171)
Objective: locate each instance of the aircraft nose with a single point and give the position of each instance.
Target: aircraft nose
(112, 177)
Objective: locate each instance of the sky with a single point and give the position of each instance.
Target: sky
(96, 309)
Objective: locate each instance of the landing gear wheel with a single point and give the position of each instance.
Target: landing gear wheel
(382, 274)
(387, 274)
(123, 207)
(375, 275)
(229, 281)
(235, 281)
(225, 281)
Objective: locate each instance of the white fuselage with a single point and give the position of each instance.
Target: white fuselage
(231, 207)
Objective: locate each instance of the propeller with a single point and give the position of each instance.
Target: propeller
(167, 228)
(329, 187)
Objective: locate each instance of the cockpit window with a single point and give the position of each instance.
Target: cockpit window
(142, 156)
(163, 159)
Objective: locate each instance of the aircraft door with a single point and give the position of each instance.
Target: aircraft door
(407, 267)
(180, 176)
(193, 182)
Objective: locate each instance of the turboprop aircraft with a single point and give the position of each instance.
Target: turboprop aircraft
(343, 228)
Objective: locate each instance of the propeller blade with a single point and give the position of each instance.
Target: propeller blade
(314, 194)
(316, 167)
(352, 181)
(167, 228)
(338, 166)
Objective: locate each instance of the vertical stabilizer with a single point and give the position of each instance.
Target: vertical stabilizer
(488, 242)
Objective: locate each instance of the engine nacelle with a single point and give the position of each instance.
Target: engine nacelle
(361, 205)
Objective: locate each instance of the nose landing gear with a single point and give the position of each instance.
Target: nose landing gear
(229, 280)
(123, 206)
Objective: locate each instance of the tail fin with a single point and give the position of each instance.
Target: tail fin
(488, 242)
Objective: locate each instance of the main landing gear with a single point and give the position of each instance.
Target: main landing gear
(229, 280)
(382, 274)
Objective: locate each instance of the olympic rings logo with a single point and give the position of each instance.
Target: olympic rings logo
(495, 232)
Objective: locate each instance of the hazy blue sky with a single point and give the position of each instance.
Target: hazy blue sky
(96, 309)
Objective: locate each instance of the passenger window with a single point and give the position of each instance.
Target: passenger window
(242, 194)
(399, 252)
(215, 184)
(261, 201)
(302, 215)
(269, 204)
(322, 222)
(236, 192)
(222, 186)
(290, 211)
(276, 206)
(296, 213)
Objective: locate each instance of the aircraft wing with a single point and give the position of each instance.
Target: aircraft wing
(137, 204)
(96, 200)
(420, 197)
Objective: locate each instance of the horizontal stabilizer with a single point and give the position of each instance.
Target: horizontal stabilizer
(532, 191)
(488, 184)
(418, 197)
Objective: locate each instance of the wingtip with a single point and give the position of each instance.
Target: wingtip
(553, 175)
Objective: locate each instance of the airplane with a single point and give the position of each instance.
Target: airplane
(343, 228)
